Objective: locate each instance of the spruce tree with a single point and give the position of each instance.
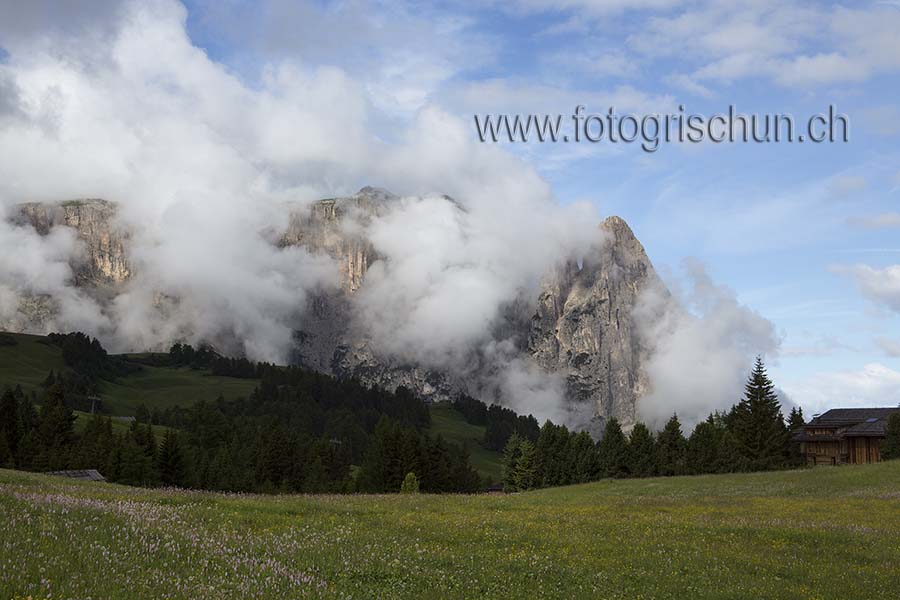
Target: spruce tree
(510, 458)
(890, 447)
(554, 464)
(410, 484)
(55, 432)
(704, 447)
(670, 449)
(525, 474)
(641, 451)
(585, 458)
(9, 428)
(795, 425)
(757, 424)
(170, 460)
(613, 449)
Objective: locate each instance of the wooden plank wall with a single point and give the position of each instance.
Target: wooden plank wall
(864, 450)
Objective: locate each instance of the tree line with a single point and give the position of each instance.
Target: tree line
(752, 436)
(500, 423)
(297, 431)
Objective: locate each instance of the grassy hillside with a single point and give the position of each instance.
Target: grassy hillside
(449, 423)
(26, 360)
(822, 533)
(30, 360)
(162, 387)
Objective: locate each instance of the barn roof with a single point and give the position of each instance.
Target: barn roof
(848, 422)
(87, 474)
(850, 416)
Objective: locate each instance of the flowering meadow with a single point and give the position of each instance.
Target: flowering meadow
(821, 533)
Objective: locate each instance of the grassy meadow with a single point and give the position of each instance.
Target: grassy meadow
(820, 533)
(28, 362)
(450, 424)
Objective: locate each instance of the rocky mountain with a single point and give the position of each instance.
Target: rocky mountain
(104, 261)
(579, 328)
(583, 327)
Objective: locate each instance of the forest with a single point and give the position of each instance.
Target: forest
(297, 431)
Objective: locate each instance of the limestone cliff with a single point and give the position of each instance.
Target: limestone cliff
(583, 324)
(579, 327)
(332, 226)
(105, 260)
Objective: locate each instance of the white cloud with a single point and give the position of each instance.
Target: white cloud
(842, 186)
(879, 285)
(201, 163)
(887, 220)
(889, 346)
(791, 43)
(702, 343)
(524, 97)
(873, 385)
(819, 346)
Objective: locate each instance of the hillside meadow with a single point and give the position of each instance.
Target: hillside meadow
(821, 533)
(26, 360)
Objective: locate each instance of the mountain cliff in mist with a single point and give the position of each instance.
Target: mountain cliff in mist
(573, 335)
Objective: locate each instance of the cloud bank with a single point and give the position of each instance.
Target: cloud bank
(121, 105)
(701, 343)
(202, 164)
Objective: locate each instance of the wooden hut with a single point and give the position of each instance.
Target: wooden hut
(845, 436)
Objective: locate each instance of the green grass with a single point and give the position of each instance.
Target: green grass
(450, 424)
(29, 361)
(119, 425)
(164, 387)
(822, 533)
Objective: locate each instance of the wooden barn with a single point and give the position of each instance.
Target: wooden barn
(845, 436)
(85, 474)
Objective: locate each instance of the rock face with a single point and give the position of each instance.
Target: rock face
(583, 325)
(105, 261)
(328, 339)
(332, 225)
(579, 327)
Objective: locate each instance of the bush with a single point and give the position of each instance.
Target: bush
(410, 484)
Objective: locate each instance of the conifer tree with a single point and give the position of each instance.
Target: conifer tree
(27, 446)
(55, 431)
(510, 458)
(670, 449)
(613, 449)
(585, 458)
(795, 425)
(890, 447)
(410, 484)
(757, 424)
(9, 428)
(641, 451)
(704, 446)
(554, 465)
(170, 461)
(525, 473)
(136, 468)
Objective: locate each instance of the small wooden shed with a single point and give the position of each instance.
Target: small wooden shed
(845, 436)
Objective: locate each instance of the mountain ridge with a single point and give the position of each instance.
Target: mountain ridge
(578, 330)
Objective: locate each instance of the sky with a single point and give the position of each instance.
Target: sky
(804, 236)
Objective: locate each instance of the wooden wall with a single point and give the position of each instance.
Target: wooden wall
(822, 453)
(863, 450)
(854, 450)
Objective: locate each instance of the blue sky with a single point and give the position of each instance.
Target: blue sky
(806, 235)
